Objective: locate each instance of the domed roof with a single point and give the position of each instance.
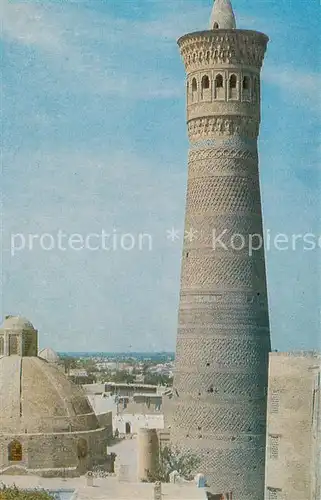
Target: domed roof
(49, 355)
(222, 16)
(16, 323)
(36, 397)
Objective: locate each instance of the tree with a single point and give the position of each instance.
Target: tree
(145, 368)
(13, 493)
(68, 362)
(174, 459)
(122, 376)
(158, 379)
(88, 364)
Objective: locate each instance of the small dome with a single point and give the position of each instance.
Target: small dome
(49, 355)
(222, 15)
(17, 323)
(40, 399)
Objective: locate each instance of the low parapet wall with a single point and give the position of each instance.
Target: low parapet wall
(106, 421)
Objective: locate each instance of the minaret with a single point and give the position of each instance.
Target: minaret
(223, 340)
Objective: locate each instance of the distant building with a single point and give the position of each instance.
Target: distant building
(140, 378)
(80, 376)
(130, 413)
(94, 389)
(123, 389)
(148, 401)
(130, 424)
(293, 430)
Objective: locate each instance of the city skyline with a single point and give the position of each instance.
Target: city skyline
(95, 139)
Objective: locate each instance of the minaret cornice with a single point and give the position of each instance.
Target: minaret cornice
(213, 48)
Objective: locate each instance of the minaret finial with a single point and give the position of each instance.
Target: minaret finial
(222, 16)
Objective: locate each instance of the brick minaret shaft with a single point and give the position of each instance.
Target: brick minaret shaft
(223, 341)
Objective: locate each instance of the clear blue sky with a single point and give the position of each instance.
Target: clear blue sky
(94, 138)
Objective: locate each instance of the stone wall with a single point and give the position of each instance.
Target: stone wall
(143, 407)
(106, 421)
(134, 422)
(50, 454)
(293, 438)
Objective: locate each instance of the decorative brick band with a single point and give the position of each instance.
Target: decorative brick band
(227, 145)
(222, 126)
